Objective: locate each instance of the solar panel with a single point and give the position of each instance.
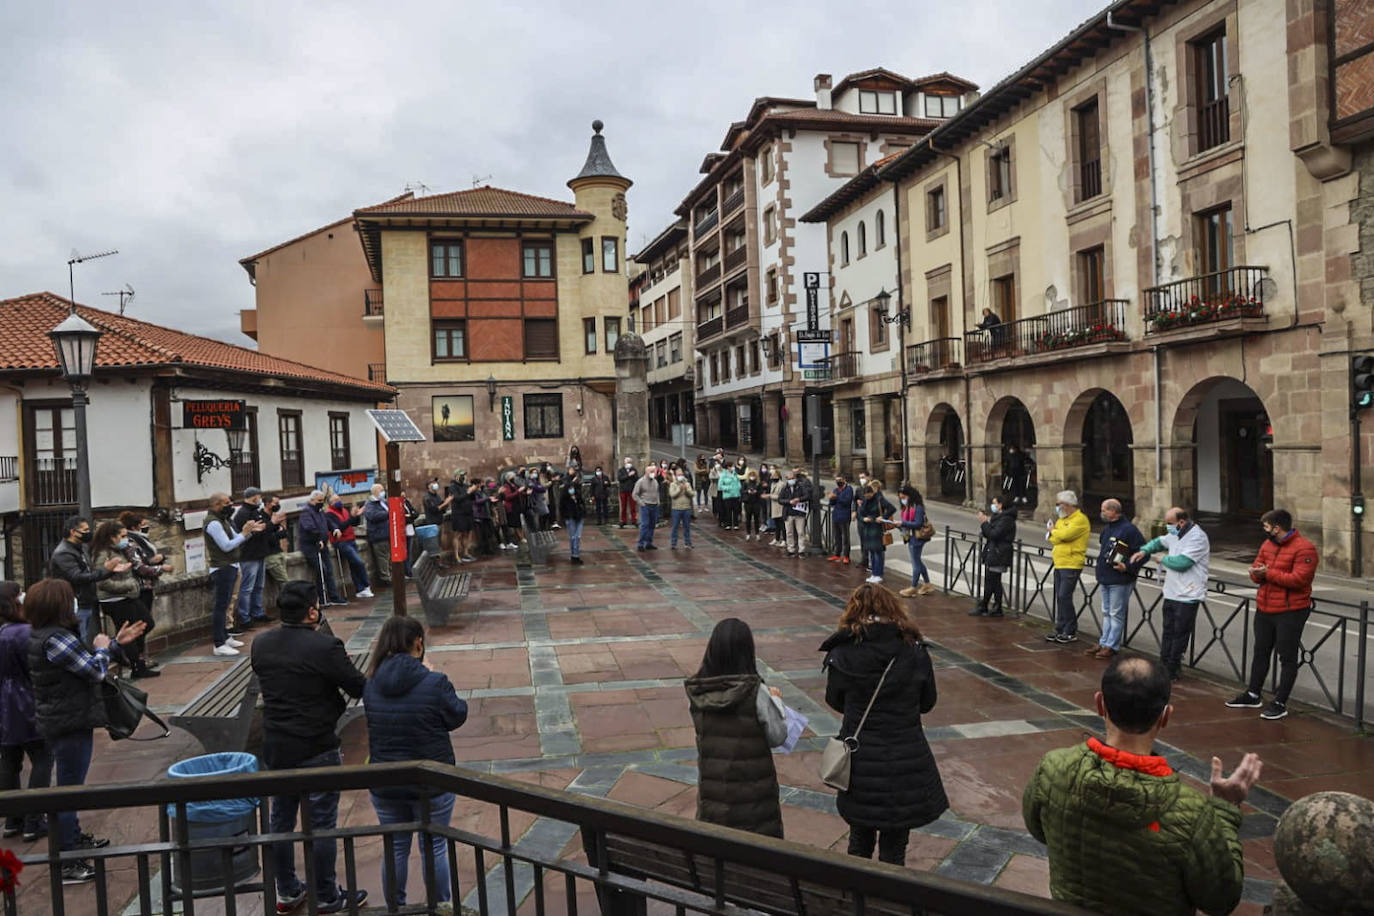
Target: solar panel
(396, 426)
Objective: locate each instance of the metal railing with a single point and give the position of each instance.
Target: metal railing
(737, 258)
(844, 365)
(705, 222)
(710, 328)
(511, 872)
(376, 372)
(1213, 123)
(372, 303)
(708, 276)
(1224, 294)
(9, 468)
(54, 482)
(932, 355)
(1089, 179)
(733, 202)
(1100, 322)
(737, 316)
(1337, 634)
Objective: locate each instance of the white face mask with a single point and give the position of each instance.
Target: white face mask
(904, 500)
(680, 478)
(863, 481)
(995, 508)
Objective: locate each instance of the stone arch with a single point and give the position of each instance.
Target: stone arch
(1098, 460)
(1010, 441)
(947, 463)
(1219, 456)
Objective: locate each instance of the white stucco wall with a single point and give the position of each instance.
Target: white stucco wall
(863, 277)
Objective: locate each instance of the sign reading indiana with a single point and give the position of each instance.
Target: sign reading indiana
(214, 414)
(346, 483)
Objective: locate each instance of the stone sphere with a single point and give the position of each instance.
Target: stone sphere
(1324, 848)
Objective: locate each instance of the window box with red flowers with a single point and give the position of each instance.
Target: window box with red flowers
(1199, 310)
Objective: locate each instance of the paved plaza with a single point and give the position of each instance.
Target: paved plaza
(574, 680)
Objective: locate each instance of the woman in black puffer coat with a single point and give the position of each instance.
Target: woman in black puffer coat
(894, 784)
(999, 531)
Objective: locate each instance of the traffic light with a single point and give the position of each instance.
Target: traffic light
(1361, 381)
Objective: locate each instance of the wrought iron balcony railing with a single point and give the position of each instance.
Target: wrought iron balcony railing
(1205, 299)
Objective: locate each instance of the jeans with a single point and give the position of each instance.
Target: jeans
(1179, 617)
(682, 518)
(222, 581)
(40, 774)
(1284, 632)
(72, 755)
(796, 535)
(627, 509)
(841, 539)
(88, 621)
(253, 575)
(322, 572)
(401, 810)
(891, 843)
(703, 496)
(1065, 587)
(574, 527)
(323, 810)
(1114, 601)
(648, 518)
(752, 513)
(875, 561)
(357, 569)
(380, 553)
(918, 568)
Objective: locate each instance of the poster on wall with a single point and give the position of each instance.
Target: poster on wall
(452, 418)
(195, 555)
(346, 483)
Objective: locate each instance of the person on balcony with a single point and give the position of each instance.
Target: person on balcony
(1116, 576)
(411, 709)
(1284, 569)
(378, 541)
(345, 540)
(1068, 534)
(996, 331)
(71, 563)
(1188, 555)
(119, 594)
(67, 673)
(304, 674)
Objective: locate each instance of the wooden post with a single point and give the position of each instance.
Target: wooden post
(397, 523)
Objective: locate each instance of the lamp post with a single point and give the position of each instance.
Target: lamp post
(902, 318)
(491, 393)
(75, 341)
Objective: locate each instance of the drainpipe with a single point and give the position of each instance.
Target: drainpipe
(901, 330)
(1154, 222)
(969, 494)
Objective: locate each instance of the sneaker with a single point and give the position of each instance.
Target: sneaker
(233, 643)
(1066, 638)
(790, 554)
(12, 830)
(577, 561)
(689, 546)
(35, 832)
(909, 592)
(77, 873)
(461, 560)
(874, 580)
(834, 559)
(556, 526)
(1245, 700)
(1052, 636)
(341, 901)
(365, 593)
(1275, 710)
(225, 650)
(650, 547)
(90, 841)
(289, 903)
(996, 613)
(844, 561)
(978, 612)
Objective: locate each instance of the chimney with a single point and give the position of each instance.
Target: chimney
(823, 84)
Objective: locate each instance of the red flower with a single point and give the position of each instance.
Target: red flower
(10, 867)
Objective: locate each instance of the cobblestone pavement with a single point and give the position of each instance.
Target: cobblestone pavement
(574, 680)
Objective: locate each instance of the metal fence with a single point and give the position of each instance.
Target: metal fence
(1333, 664)
(498, 874)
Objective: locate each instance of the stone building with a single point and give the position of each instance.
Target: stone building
(502, 312)
(1165, 225)
(749, 251)
(663, 291)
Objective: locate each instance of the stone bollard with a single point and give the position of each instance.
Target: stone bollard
(631, 400)
(1324, 848)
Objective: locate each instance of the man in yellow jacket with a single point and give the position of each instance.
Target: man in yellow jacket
(1068, 532)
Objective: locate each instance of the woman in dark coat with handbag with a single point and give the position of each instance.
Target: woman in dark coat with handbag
(894, 784)
(999, 531)
(873, 508)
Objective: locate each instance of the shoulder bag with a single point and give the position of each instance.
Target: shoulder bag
(835, 758)
(125, 707)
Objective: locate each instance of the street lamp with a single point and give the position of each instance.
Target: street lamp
(491, 392)
(882, 301)
(75, 341)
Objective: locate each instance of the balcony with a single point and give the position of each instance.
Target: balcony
(932, 356)
(737, 316)
(372, 306)
(705, 222)
(9, 468)
(734, 201)
(1090, 179)
(1213, 123)
(376, 372)
(709, 328)
(1099, 323)
(708, 276)
(54, 482)
(1206, 299)
(845, 365)
(737, 258)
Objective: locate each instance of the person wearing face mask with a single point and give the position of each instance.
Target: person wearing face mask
(646, 496)
(222, 543)
(601, 495)
(71, 563)
(462, 515)
(776, 509)
(1115, 576)
(749, 491)
(999, 532)
(666, 473)
(841, 513)
(148, 562)
(912, 518)
(1188, 556)
(274, 566)
(119, 594)
(702, 481)
(627, 477)
(680, 496)
(1283, 569)
(572, 508)
(313, 536)
(796, 499)
(859, 495)
(378, 541)
(728, 483)
(1068, 533)
(874, 511)
(345, 539)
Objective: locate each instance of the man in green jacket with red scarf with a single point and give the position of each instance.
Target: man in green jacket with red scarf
(1125, 834)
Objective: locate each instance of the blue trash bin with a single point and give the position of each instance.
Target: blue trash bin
(232, 817)
(429, 538)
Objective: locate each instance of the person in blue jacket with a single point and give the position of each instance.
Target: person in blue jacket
(410, 711)
(1116, 575)
(841, 512)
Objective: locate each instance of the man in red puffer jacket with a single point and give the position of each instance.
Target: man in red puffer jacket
(1284, 569)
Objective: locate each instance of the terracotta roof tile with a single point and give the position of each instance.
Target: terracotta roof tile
(484, 201)
(129, 343)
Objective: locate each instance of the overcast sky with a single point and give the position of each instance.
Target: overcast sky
(188, 137)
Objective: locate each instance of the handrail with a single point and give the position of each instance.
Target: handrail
(1098, 322)
(596, 817)
(1237, 292)
(932, 355)
(372, 303)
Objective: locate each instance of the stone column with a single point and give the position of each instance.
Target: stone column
(792, 399)
(875, 432)
(631, 399)
(844, 436)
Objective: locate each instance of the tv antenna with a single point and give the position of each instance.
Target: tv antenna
(126, 295)
(79, 258)
(478, 179)
(413, 186)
